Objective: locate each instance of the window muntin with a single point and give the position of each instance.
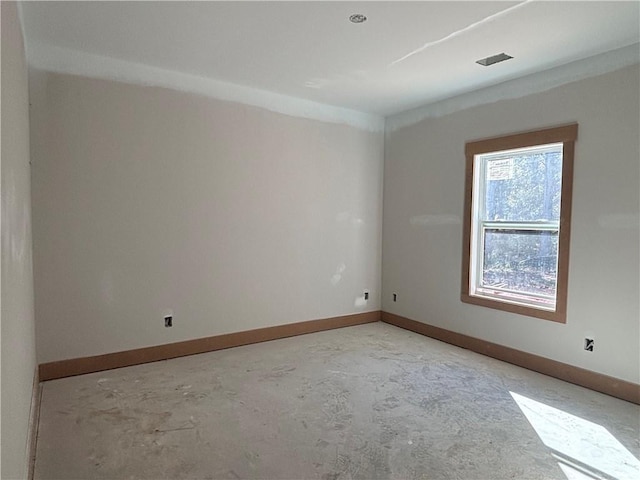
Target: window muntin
(517, 209)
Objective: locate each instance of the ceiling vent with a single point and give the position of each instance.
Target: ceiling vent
(501, 57)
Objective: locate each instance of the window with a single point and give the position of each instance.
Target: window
(517, 222)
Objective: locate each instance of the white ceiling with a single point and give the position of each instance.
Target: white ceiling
(407, 54)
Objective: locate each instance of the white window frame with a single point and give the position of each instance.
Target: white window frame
(478, 153)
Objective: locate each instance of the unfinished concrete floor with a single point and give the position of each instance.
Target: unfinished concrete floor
(372, 401)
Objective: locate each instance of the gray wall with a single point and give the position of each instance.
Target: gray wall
(423, 207)
(147, 200)
(18, 337)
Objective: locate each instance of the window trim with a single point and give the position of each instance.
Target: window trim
(567, 135)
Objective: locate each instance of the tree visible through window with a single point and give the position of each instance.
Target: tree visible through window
(518, 200)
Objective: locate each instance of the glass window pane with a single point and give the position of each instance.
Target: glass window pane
(521, 260)
(523, 187)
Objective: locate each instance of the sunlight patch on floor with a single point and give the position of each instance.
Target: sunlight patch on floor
(584, 450)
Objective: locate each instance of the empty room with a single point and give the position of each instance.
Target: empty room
(320, 240)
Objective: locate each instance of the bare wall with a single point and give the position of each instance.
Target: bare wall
(148, 201)
(423, 208)
(17, 330)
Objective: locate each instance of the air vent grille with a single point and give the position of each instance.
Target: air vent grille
(501, 57)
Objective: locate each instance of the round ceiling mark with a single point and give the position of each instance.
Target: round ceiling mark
(357, 18)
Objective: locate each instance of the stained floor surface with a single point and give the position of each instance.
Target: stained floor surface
(366, 402)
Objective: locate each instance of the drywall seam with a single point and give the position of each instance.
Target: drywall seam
(67, 61)
(22, 28)
(457, 33)
(34, 420)
(521, 87)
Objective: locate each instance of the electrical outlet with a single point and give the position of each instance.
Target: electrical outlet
(366, 294)
(588, 344)
(395, 297)
(168, 321)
